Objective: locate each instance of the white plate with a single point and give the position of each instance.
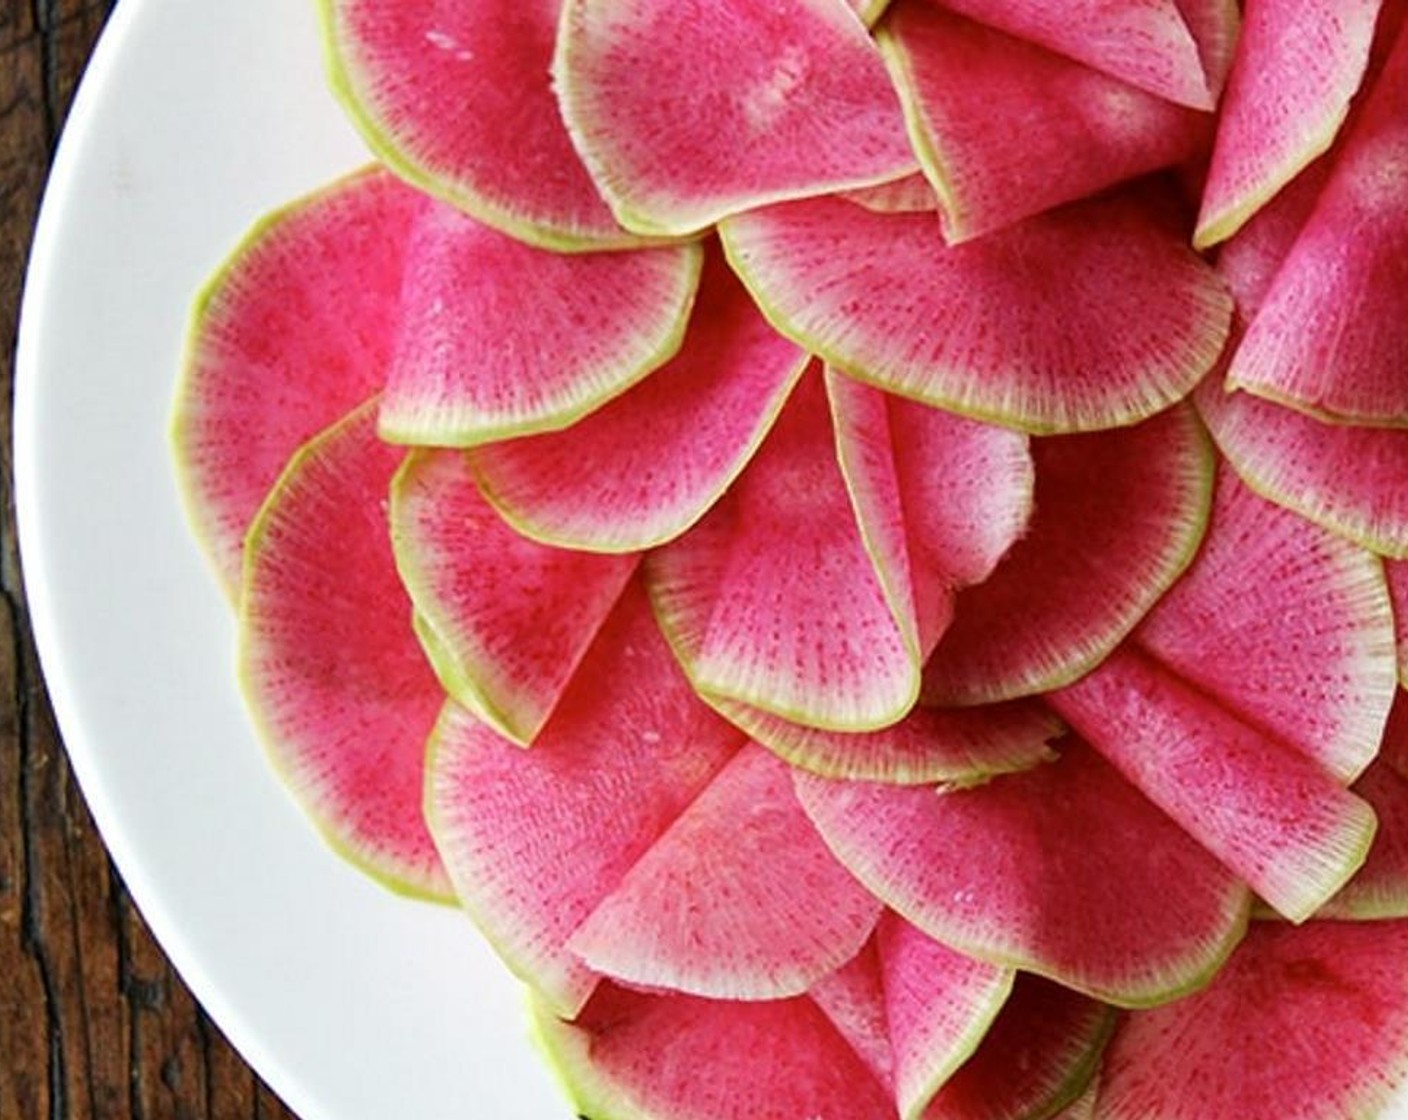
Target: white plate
(195, 117)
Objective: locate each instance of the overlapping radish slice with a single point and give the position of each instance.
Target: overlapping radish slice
(1298, 63)
(633, 1056)
(739, 899)
(782, 100)
(1145, 42)
(534, 840)
(293, 332)
(1309, 657)
(457, 99)
(1215, 26)
(600, 485)
(1045, 870)
(512, 618)
(962, 746)
(853, 998)
(1039, 1057)
(1088, 316)
(910, 195)
(1083, 1107)
(939, 1005)
(1397, 572)
(772, 599)
(1264, 809)
(341, 695)
(1006, 129)
(1335, 349)
(1092, 563)
(497, 338)
(1306, 1023)
(1379, 889)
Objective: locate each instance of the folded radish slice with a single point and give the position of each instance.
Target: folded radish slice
(1310, 657)
(1145, 42)
(271, 361)
(1089, 316)
(457, 98)
(790, 99)
(673, 1057)
(1298, 63)
(1006, 129)
(772, 599)
(1215, 26)
(1046, 870)
(963, 746)
(1056, 605)
(342, 696)
(498, 338)
(1330, 336)
(1325, 1005)
(1380, 889)
(512, 619)
(534, 840)
(598, 485)
(1264, 809)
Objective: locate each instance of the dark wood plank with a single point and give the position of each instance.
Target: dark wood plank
(94, 1024)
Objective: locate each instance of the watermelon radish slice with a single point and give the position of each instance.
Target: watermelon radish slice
(457, 100)
(959, 746)
(633, 1056)
(1265, 810)
(1394, 751)
(1335, 351)
(1397, 572)
(1040, 1056)
(739, 899)
(1089, 316)
(513, 618)
(497, 338)
(772, 599)
(706, 410)
(910, 195)
(939, 498)
(1056, 605)
(1298, 63)
(535, 840)
(1083, 1107)
(1005, 129)
(341, 695)
(270, 361)
(1380, 889)
(939, 1005)
(1145, 42)
(1046, 870)
(791, 100)
(1302, 1024)
(853, 998)
(1215, 25)
(1310, 658)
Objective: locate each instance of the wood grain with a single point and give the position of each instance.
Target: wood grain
(93, 1021)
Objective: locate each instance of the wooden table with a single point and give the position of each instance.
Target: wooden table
(93, 1021)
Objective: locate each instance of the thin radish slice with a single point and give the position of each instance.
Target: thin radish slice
(853, 998)
(1005, 129)
(772, 599)
(1145, 42)
(499, 339)
(910, 195)
(1307, 656)
(513, 618)
(293, 332)
(1040, 1056)
(1056, 606)
(1397, 572)
(1298, 63)
(1047, 871)
(457, 99)
(598, 485)
(1380, 889)
(534, 840)
(340, 694)
(961, 746)
(632, 1056)
(939, 1005)
(739, 899)
(1215, 26)
(1093, 315)
(1335, 349)
(788, 99)
(1264, 809)
(1302, 1024)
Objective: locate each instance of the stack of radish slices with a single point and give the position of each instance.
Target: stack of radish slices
(851, 541)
